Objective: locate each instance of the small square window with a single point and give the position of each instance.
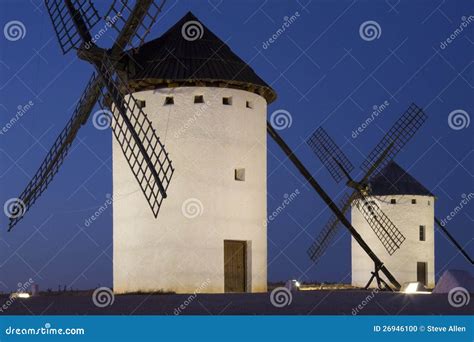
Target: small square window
(413, 201)
(141, 103)
(169, 100)
(239, 175)
(422, 233)
(199, 99)
(248, 104)
(393, 201)
(227, 101)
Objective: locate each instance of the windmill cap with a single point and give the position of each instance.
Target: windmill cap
(393, 180)
(189, 54)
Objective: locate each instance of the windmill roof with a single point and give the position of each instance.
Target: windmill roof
(201, 59)
(393, 180)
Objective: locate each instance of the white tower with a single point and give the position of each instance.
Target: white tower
(209, 108)
(410, 206)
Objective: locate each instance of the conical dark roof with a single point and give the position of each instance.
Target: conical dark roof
(393, 180)
(190, 54)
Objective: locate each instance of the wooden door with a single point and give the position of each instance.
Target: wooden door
(235, 266)
(421, 271)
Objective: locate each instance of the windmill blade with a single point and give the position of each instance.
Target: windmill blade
(58, 152)
(63, 23)
(327, 235)
(133, 20)
(388, 234)
(451, 238)
(395, 139)
(332, 157)
(140, 144)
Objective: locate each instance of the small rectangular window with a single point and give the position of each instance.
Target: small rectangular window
(239, 175)
(141, 103)
(227, 101)
(393, 201)
(422, 233)
(413, 201)
(429, 202)
(199, 99)
(169, 100)
(248, 104)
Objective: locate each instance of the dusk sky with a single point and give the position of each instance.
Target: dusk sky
(324, 72)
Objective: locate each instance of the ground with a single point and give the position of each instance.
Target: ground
(321, 302)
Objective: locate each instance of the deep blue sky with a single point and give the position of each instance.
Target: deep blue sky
(322, 71)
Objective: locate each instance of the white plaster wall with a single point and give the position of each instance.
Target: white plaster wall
(206, 142)
(402, 264)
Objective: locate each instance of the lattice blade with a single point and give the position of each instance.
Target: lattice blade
(58, 152)
(388, 234)
(330, 154)
(140, 144)
(395, 139)
(135, 19)
(325, 238)
(63, 23)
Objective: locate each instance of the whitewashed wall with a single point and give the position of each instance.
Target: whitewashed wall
(206, 143)
(403, 263)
